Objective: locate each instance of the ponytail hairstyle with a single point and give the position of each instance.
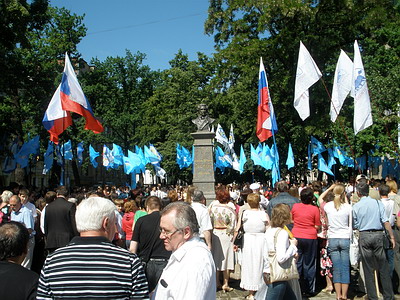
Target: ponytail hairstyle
(339, 199)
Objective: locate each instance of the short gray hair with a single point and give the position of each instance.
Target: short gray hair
(5, 196)
(185, 216)
(91, 213)
(197, 196)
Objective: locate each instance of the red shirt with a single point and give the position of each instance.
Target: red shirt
(305, 217)
(127, 221)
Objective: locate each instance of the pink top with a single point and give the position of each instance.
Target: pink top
(127, 221)
(305, 218)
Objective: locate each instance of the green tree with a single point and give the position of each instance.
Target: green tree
(119, 87)
(167, 115)
(34, 63)
(244, 31)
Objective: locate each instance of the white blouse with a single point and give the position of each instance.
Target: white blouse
(284, 249)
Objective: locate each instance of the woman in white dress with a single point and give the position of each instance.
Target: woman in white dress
(255, 222)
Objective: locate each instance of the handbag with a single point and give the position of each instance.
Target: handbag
(281, 271)
(387, 244)
(354, 250)
(240, 235)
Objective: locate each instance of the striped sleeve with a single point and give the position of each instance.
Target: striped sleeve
(100, 271)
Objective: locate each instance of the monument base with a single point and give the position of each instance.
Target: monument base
(203, 173)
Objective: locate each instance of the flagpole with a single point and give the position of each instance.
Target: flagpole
(341, 124)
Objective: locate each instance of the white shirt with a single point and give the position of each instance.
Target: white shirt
(389, 205)
(284, 249)
(32, 208)
(189, 274)
(42, 219)
(203, 218)
(339, 226)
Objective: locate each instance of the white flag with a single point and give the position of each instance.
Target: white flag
(231, 140)
(342, 84)
(359, 91)
(307, 74)
(221, 138)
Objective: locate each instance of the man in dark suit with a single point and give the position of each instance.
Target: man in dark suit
(16, 281)
(59, 221)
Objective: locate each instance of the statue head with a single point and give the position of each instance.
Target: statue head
(203, 110)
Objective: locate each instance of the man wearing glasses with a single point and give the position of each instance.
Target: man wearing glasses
(23, 215)
(190, 272)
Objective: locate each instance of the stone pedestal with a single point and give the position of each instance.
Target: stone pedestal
(203, 175)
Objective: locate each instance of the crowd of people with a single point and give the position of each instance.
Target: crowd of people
(169, 242)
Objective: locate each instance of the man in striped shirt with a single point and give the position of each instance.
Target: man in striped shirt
(90, 266)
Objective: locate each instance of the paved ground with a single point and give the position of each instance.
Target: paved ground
(238, 293)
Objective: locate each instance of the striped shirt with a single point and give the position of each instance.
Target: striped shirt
(92, 268)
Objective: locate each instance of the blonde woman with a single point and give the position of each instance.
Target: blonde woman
(338, 212)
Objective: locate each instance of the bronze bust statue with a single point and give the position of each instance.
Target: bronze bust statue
(203, 121)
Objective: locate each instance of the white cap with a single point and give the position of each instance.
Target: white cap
(361, 176)
(254, 186)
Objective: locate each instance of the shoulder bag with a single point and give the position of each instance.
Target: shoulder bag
(281, 271)
(240, 235)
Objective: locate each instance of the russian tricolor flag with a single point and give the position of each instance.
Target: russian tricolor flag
(68, 98)
(266, 121)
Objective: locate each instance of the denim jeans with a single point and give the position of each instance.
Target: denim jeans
(338, 250)
(280, 290)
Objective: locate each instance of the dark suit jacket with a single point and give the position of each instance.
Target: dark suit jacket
(17, 282)
(59, 223)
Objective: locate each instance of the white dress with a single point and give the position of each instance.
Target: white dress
(254, 224)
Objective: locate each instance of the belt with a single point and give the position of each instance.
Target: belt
(158, 259)
(372, 230)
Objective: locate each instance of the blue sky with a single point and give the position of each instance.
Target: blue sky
(154, 27)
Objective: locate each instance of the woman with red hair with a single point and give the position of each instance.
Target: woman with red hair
(223, 218)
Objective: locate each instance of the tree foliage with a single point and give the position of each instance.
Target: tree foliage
(246, 30)
(32, 56)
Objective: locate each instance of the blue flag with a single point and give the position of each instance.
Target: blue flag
(79, 153)
(322, 165)
(48, 158)
(108, 158)
(128, 167)
(331, 158)
(290, 157)
(242, 160)
(137, 162)
(267, 158)
(93, 154)
(186, 157)
(139, 152)
(150, 156)
(28, 148)
(221, 161)
(66, 150)
(316, 146)
(255, 157)
(179, 159)
(118, 155)
(276, 173)
(362, 162)
(59, 158)
(10, 163)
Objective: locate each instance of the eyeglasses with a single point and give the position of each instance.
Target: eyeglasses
(168, 234)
